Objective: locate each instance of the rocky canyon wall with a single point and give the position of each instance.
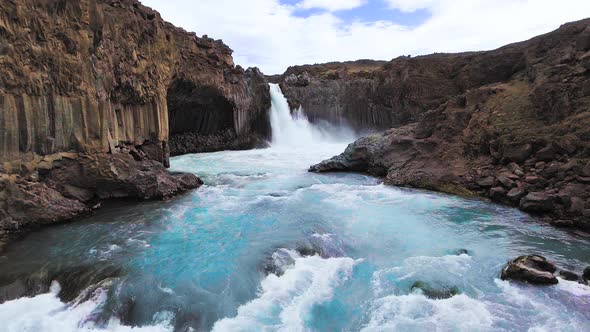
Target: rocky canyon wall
(107, 89)
(511, 125)
(92, 75)
(377, 95)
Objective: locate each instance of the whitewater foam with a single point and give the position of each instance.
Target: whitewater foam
(47, 313)
(415, 312)
(445, 270)
(285, 302)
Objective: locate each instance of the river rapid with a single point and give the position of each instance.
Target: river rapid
(267, 246)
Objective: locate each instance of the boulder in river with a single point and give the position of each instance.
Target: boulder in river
(586, 274)
(308, 250)
(533, 269)
(279, 262)
(569, 275)
(435, 293)
(462, 251)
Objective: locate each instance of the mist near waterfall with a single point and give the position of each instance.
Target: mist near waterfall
(293, 129)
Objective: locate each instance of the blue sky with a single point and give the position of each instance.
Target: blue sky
(274, 34)
(370, 11)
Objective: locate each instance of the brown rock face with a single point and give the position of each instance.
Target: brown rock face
(117, 88)
(510, 124)
(91, 75)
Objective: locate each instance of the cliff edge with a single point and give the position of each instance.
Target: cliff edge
(94, 97)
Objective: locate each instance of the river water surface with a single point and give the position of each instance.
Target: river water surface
(267, 246)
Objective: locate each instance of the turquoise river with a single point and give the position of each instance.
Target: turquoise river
(267, 246)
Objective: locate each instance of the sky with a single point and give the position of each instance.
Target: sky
(275, 34)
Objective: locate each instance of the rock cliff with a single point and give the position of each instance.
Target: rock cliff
(96, 94)
(511, 124)
(340, 93)
(376, 95)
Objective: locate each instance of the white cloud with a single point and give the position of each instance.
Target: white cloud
(269, 35)
(413, 5)
(331, 5)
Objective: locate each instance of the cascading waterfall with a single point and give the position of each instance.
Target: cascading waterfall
(292, 129)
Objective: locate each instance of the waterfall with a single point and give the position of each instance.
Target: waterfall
(293, 129)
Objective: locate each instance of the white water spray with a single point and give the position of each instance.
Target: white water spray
(294, 130)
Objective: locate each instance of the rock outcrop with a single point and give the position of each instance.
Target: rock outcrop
(532, 268)
(538, 270)
(96, 94)
(510, 124)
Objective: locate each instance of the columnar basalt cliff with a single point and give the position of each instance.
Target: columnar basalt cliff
(511, 124)
(96, 94)
(340, 93)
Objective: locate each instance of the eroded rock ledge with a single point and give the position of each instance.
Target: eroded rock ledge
(522, 139)
(67, 185)
(96, 94)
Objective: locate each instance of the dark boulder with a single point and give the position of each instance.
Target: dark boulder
(72, 280)
(359, 156)
(187, 181)
(497, 194)
(307, 250)
(461, 251)
(517, 153)
(485, 182)
(572, 165)
(586, 274)
(278, 262)
(337, 163)
(505, 181)
(532, 179)
(515, 194)
(533, 269)
(514, 167)
(547, 153)
(569, 275)
(537, 202)
(435, 293)
(577, 205)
